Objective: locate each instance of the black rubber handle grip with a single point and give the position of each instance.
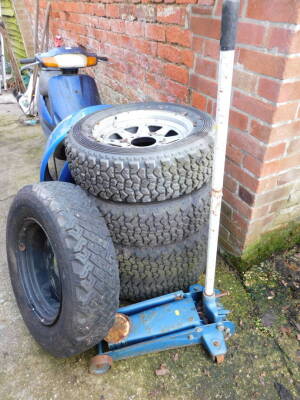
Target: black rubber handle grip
(102, 58)
(230, 15)
(27, 60)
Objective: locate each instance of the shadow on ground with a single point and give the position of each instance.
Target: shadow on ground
(262, 361)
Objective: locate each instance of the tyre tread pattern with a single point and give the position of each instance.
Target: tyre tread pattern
(138, 225)
(92, 257)
(150, 272)
(167, 173)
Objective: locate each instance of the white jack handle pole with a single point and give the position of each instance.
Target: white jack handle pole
(228, 37)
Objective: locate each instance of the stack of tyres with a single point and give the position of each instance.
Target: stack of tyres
(149, 167)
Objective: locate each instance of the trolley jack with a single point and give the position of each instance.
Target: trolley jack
(196, 317)
(166, 322)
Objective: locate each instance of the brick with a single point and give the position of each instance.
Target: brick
(99, 10)
(290, 162)
(155, 32)
(285, 112)
(223, 233)
(251, 34)
(73, 7)
(197, 44)
(171, 14)
(202, 10)
(211, 107)
(259, 168)
(289, 91)
(113, 10)
(151, 94)
(277, 205)
(134, 28)
(207, 2)
(153, 81)
(266, 64)
(175, 54)
(117, 26)
(259, 212)
(288, 176)
(274, 10)
(228, 224)
(226, 210)
(187, 57)
(206, 27)
(170, 53)
(238, 120)
(203, 85)
(285, 131)
(295, 43)
(273, 195)
(198, 101)
(228, 247)
(247, 143)
(283, 40)
(103, 23)
(240, 222)
(186, 1)
(155, 66)
(241, 176)
(260, 226)
(275, 151)
(176, 73)
(253, 106)
(292, 68)
(144, 46)
(246, 196)
(245, 81)
(178, 35)
(261, 132)
(146, 13)
(269, 88)
(293, 146)
(234, 154)
(230, 184)
(237, 203)
(211, 48)
(206, 67)
(177, 90)
(266, 184)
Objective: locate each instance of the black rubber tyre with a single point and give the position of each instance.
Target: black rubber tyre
(63, 267)
(150, 272)
(156, 224)
(142, 174)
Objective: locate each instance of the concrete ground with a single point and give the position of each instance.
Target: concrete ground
(263, 357)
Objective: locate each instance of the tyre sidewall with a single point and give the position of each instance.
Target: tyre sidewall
(22, 208)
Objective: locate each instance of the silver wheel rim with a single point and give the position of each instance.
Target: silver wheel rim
(142, 128)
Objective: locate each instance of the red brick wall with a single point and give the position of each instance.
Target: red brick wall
(167, 50)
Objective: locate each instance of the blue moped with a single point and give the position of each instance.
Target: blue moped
(61, 94)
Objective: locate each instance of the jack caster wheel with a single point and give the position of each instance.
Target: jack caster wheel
(220, 358)
(100, 364)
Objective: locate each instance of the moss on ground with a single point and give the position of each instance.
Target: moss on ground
(268, 244)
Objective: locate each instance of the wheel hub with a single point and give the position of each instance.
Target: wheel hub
(142, 128)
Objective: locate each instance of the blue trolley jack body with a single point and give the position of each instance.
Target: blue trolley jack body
(170, 321)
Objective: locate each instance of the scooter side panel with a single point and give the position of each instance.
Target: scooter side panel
(59, 134)
(71, 93)
(45, 118)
